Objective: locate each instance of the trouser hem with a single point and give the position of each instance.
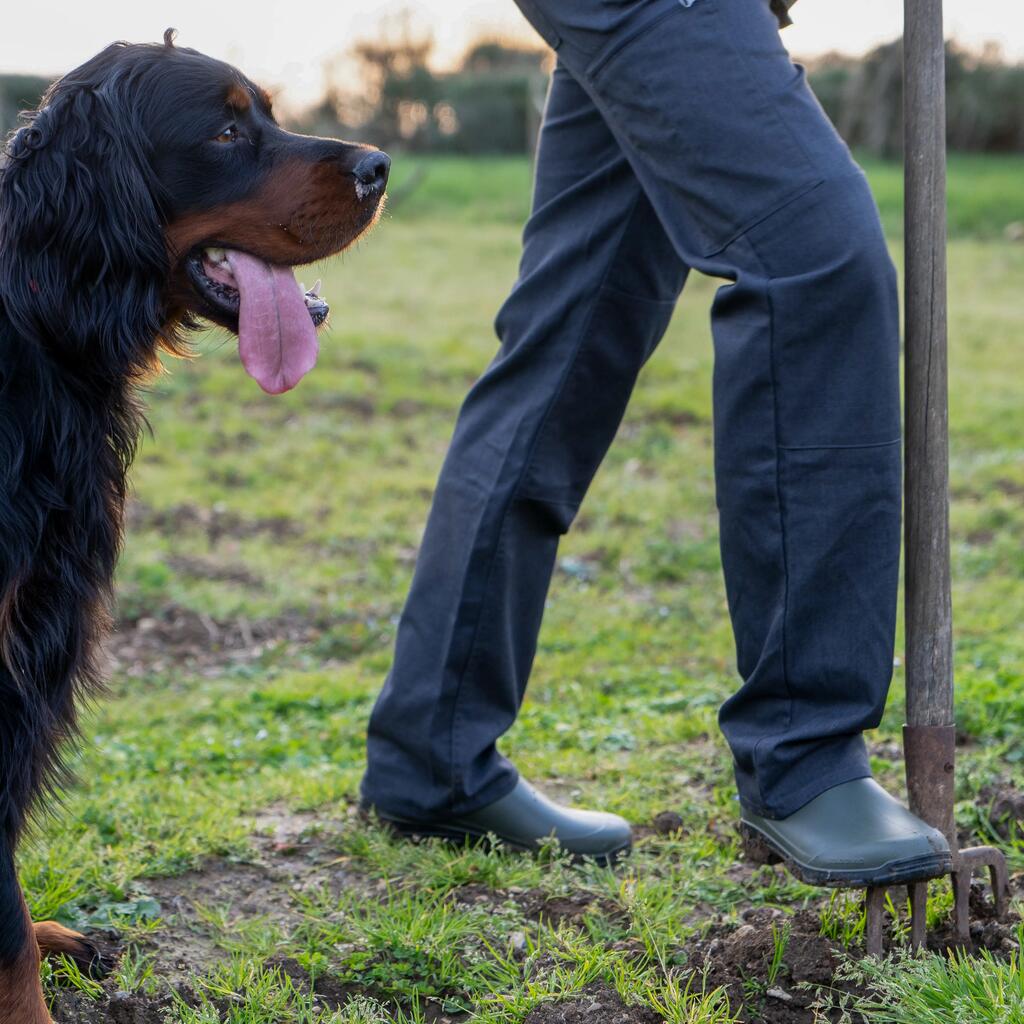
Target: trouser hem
(782, 804)
(491, 793)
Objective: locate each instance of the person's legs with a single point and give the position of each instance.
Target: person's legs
(597, 286)
(808, 479)
(741, 175)
(751, 183)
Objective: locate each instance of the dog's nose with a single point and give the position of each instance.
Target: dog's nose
(372, 171)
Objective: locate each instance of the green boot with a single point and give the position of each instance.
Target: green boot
(854, 834)
(522, 820)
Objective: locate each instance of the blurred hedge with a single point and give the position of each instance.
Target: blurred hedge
(491, 102)
(17, 93)
(864, 98)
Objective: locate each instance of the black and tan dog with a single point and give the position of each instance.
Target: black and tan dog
(152, 188)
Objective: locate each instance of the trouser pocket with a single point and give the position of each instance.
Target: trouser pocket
(698, 105)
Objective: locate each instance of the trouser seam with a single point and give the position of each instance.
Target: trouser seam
(471, 657)
(652, 300)
(780, 505)
(540, 499)
(455, 779)
(833, 447)
(462, 587)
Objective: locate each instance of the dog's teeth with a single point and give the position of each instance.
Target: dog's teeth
(315, 290)
(216, 255)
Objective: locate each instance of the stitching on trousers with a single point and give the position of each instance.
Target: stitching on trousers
(779, 504)
(833, 447)
(606, 56)
(570, 363)
(458, 685)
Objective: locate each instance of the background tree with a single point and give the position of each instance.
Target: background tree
(386, 90)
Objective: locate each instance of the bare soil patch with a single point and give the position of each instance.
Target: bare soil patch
(71, 1007)
(538, 905)
(1012, 488)
(294, 855)
(361, 407)
(174, 637)
(198, 568)
(334, 994)
(673, 417)
(739, 958)
(596, 1004)
(215, 522)
(1006, 811)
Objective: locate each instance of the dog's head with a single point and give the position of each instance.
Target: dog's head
(154, 187)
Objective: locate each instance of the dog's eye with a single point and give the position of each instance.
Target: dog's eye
(230, 134)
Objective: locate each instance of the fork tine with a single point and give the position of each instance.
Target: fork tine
(918, 894)
(874, 903)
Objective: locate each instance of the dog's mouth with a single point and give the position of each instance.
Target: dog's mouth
(274, 317)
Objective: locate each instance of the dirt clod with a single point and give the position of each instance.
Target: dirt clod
(668, 822)
(555, 910)
(1006, 812)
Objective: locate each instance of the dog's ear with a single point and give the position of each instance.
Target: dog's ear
(82, 254)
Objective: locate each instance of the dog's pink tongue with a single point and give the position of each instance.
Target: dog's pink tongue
(276, 337)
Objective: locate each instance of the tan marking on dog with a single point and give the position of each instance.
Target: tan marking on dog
(305, 211)
(54, 939)
(239, 98)
(21, 993)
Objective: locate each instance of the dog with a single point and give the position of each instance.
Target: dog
(152, 190)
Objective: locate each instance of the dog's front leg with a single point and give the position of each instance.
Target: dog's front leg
(21, 993)
(55, 940)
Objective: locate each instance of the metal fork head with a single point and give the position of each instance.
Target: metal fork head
(966, 863)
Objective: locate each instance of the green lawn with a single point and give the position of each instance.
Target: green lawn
(985, 192)
(271, 544)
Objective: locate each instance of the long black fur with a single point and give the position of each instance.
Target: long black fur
(82, 265)
(122, 151)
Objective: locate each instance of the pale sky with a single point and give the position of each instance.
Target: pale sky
(284, 46)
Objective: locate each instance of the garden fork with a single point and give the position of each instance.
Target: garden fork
(929, 737)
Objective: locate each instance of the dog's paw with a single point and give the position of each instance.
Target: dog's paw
(55, 940)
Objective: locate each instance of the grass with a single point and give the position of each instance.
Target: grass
(292, 523)
(985, 194)
(935, 990)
